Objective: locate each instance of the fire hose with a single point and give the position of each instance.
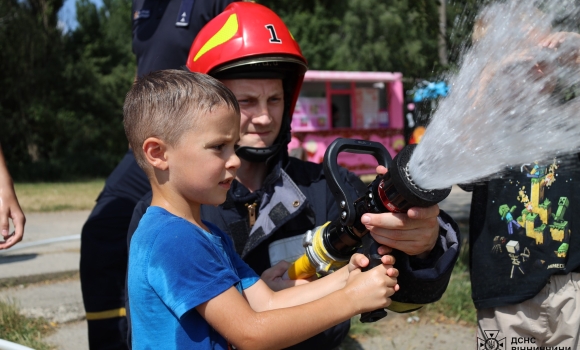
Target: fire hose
(330, 246)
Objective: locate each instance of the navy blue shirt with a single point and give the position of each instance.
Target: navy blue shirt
(158, 43)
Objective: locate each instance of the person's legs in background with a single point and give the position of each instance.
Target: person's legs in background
(550, 319)
(103, 262)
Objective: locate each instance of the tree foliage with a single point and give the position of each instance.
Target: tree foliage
(62, 96)
(62, 107)
(371, 35)
(30, 47)
(100, 70)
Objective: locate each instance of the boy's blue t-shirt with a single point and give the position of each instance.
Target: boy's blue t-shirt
(175, 266)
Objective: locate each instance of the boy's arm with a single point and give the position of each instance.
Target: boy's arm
(262, 298)
(273, 277)
(231, 315)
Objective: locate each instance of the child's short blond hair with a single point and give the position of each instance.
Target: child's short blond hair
(161, 104)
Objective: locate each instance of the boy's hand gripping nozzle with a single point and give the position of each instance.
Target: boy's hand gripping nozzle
(330, 246)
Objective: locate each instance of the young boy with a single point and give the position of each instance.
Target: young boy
(187, 286)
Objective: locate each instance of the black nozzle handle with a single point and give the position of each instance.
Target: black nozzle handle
(370, 250)
(335, 184)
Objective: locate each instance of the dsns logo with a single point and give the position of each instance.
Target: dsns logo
(491, 342)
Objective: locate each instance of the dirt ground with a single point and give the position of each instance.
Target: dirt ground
(411, 332)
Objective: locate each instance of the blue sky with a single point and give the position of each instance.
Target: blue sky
(68, 16)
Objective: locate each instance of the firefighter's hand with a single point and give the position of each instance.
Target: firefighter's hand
(414, 233)
(274, 280)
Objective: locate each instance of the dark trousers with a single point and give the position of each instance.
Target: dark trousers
(103, 264)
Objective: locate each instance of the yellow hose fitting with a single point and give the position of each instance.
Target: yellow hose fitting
(301, 268)
(316, 259)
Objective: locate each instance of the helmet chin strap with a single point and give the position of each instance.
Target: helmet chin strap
(262, 154)
(257, 155)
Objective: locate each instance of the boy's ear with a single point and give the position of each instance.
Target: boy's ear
(155, 152)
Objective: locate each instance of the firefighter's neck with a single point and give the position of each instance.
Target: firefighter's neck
(252, 175)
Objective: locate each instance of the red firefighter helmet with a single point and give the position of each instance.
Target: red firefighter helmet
(249, 41)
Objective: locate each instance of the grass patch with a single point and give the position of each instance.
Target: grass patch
(456, 304)
(22, 330)
(58, 196)
(359, 329)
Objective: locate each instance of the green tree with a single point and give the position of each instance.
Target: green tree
(63, 106)
(30, 50)
(312, 23)
(373, 35)
(99, 72)
(396, 36)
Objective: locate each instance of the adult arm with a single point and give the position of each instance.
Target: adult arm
(415, 233)
(9, 208)
(424, 279)
(425, 242)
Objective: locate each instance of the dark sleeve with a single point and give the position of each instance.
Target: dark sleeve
(470, 187)
(423, 281)
(138, 212)
(467, 187)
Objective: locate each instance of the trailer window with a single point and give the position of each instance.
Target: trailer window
(341, 111)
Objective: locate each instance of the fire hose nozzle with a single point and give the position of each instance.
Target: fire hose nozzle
(330, 246)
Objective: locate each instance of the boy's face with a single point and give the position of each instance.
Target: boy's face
(203, 164)
(262, 107)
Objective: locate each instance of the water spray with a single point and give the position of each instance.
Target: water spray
(330, 246)
(514, 99)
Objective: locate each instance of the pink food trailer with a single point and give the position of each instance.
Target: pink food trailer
(358, 105)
